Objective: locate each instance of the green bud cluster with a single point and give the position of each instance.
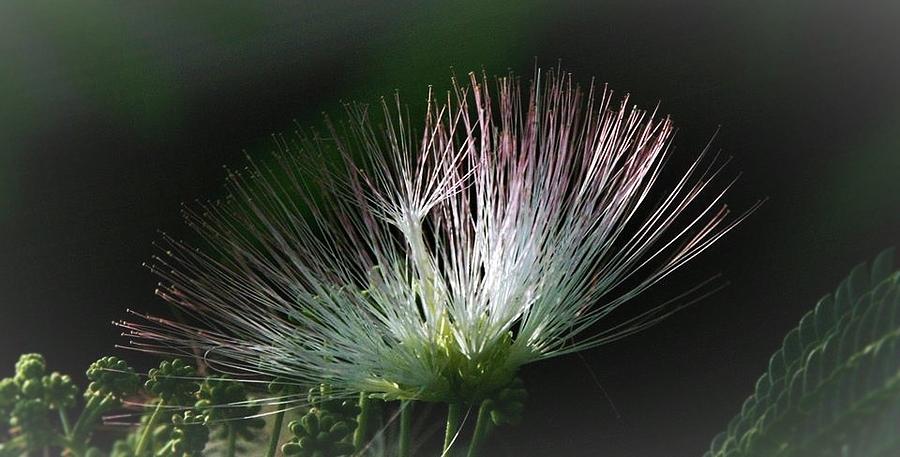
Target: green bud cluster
(185, 415)
(174, 382)
(30, 366)
(323, 399)
(32, 418)
(31, 394)
(9, 394)
(22, 402)
(507, 405)
(225, 400)
(30, 370)
(189, 436)
(320, 434)
(111, 376)
(326, 429)
(123, 448)
(59, 390)
(110, 381)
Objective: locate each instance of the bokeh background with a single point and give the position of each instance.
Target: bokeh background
(112, 113)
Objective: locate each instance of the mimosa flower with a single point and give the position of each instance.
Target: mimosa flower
(433, 266)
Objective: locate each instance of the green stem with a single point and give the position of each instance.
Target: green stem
(482, 427)
(405, 428)
(85, 416)
(78, 437)
(65, 422)
(453, 415)
(61, 441)
(232, 441)
(276, 434)
(17, 442)
(148, 430)
(362, 422)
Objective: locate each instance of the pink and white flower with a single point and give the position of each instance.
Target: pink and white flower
(433, 266)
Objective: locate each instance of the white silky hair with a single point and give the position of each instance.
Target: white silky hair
(502, 235)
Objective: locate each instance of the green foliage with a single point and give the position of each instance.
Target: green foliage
(187, 415)
(30, 397)
(833, 388)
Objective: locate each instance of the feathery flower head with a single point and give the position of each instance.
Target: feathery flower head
(433, 265)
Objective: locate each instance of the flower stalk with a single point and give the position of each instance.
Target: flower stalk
(363, 422)
(277, 425)
(482, 428)
(232, 440)
(144, 441)
(405, 438)
(451, 430)
(64, 421)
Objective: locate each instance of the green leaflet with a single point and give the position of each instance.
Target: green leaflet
(833, 388)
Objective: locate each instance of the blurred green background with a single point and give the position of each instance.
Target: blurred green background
(111, 113)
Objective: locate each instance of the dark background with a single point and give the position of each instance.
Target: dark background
(112, 113)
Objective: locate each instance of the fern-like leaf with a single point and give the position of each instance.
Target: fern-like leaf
(833, 388)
